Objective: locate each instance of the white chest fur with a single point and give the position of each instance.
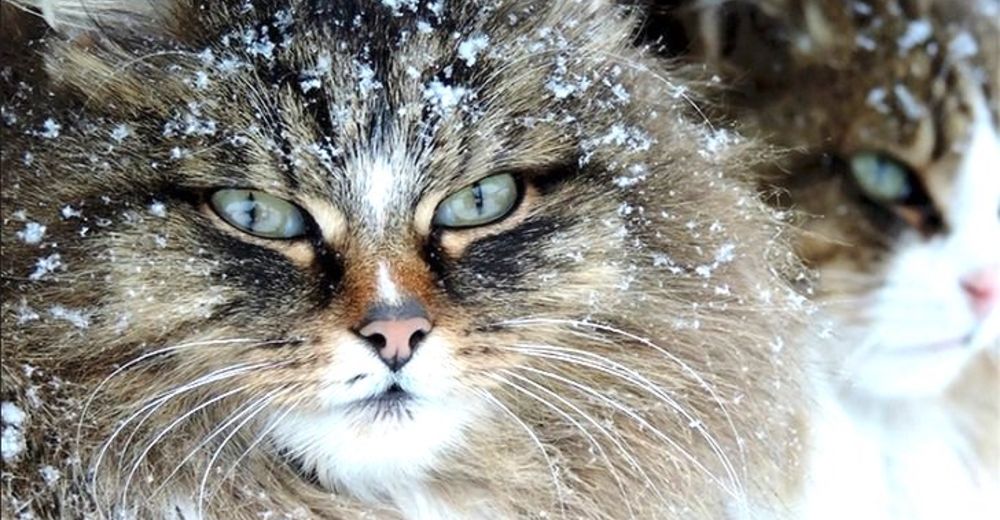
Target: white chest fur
(901, 461)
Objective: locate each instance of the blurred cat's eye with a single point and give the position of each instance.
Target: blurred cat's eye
(480, 203)
(259, 214)
(881, 177)
(892, 184)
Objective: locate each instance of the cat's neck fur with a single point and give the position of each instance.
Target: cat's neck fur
(880, 458)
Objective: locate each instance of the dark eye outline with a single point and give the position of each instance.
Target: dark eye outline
(519, 191)
(308, 225)
(915, 208)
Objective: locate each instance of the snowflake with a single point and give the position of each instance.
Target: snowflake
(32, 233)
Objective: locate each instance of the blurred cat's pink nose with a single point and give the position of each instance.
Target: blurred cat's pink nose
(983, 289)
(395, 332)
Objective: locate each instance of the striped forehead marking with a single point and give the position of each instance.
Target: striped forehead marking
(380, 184)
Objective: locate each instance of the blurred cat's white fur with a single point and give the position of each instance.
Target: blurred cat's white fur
(887, 444)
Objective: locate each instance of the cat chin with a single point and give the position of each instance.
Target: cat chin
(375, 452)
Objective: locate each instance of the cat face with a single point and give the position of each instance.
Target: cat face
(389, 250)
(889, 110)
(938, 304)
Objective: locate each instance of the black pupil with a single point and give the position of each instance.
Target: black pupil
(477, 195)
(252, 211)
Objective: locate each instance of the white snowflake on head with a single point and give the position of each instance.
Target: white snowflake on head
(75, 317)
(50, 129)
(366, 79)
(444, 97)
(46, 265)
(398, 5)
(469, 49)
(158, 209)
(32, 233)
(12, 439)
(120, 132)
(68, 212)
(50, 475)
(916, 33)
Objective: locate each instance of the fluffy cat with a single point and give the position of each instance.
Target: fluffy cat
(327, 259)
(889, 112)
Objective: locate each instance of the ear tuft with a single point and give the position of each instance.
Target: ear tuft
(759, 40)
(75, 18)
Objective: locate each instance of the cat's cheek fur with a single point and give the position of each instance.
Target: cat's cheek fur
(923, 327)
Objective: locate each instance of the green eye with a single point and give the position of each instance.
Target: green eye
(882, 178)
(483, 202)
(260, 214)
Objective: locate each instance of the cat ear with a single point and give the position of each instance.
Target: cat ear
(84, 21)
(758, 40)
(93, 46)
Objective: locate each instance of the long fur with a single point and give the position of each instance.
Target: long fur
(900, 433)
(627, 338)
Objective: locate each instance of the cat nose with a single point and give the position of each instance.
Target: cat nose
(983, 289)
(395, 331)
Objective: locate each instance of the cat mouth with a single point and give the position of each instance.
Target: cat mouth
(392, 394)
(938, 347)
(394, 400)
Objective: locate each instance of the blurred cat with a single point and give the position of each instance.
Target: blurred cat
(326, 259)
(889, 112)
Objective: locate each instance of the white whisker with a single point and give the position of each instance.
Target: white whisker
(612, 368)
(681, 363)
(263, 403)
(275, 422)
(560, 494)
(233, 417)
(173, 424)
(734, 493)
(158, 402)
(626, 453)
(93, 394)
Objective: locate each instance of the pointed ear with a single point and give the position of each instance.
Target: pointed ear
(93, 47)
(17, 27)
(757, 40)
(88, 20)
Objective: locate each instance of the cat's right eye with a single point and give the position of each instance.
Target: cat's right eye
(260, 214)
(881, 178)
(480, 203)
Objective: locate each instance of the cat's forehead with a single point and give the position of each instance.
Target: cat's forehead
(913, 70)
(901, 78)
(374, 108)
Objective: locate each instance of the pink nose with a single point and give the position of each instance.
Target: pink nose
(395, 332)
(983, 289)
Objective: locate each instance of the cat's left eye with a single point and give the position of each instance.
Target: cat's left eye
(881, 177)
(480, 203)
(260, 214)
(892, 184)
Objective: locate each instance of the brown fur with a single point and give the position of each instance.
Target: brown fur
(796, 75)
(823, 80)
(606, 340)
